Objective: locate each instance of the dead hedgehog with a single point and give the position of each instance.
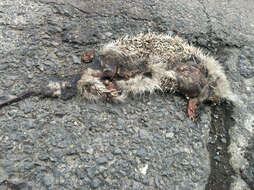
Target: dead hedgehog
(146, 63)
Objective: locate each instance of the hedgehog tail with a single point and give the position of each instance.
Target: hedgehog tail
(19, 98)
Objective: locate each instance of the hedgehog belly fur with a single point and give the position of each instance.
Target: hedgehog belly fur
(157, 52)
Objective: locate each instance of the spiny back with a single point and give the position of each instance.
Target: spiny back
(144, 45)
(132, 50)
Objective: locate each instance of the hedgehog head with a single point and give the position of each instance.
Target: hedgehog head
(93, 87)
(90, 86)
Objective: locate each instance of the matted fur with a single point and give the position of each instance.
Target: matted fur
(157, 52)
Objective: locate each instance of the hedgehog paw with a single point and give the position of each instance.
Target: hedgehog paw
(192, 109)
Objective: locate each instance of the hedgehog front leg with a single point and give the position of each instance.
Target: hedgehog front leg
(192, 108)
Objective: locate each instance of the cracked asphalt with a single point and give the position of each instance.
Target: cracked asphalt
(147, 143)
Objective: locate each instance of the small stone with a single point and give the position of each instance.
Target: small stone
(117, 151)
(49, 43)
(89, 150)
(171, 33)
(91, 172)
(28, 165)
(68, 26)
(101, 170)
(3, 176)
(48, 63)
(102, 36)
(224, 140)
(143, 170)
(147, 124)
(71, 150)
(169, 135)
(4, 66)
(202, 42)
(29, 76)
(120, 121)
(40, 66)
(86, 181)
(55, 44)
(28, 109)
(40, 169)
(217, 158)
(64, 144)
(60, 54)
(95, 183)
(146, 181)
(54, 30)
(233, 177)
(76, 60)
(80, 173)
(143, 134)
(245, 67)
(219, 148)
(157, 181)
(43, 157)
(108, 34)
(27, 62)
(136, 186)
(141, 152)
(28, 149)
(61, 180)
(110, 156)
(11, 169)
(45, 36)
(123, 173)
(102, 160)
(47, 180)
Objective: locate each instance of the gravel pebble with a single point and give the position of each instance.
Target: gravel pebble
(76, 60)
(102, 160)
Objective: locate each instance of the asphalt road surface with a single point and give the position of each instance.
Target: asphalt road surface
(146, 143)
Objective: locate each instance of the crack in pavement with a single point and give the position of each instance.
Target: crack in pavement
(221, 169)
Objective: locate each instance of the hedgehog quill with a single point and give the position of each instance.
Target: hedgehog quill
(147, 63)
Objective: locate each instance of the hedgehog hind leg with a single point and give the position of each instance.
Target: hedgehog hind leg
(193, 107)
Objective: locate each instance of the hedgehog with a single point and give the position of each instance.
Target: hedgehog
(147, 63)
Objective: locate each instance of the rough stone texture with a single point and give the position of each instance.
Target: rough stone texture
(148, 143)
